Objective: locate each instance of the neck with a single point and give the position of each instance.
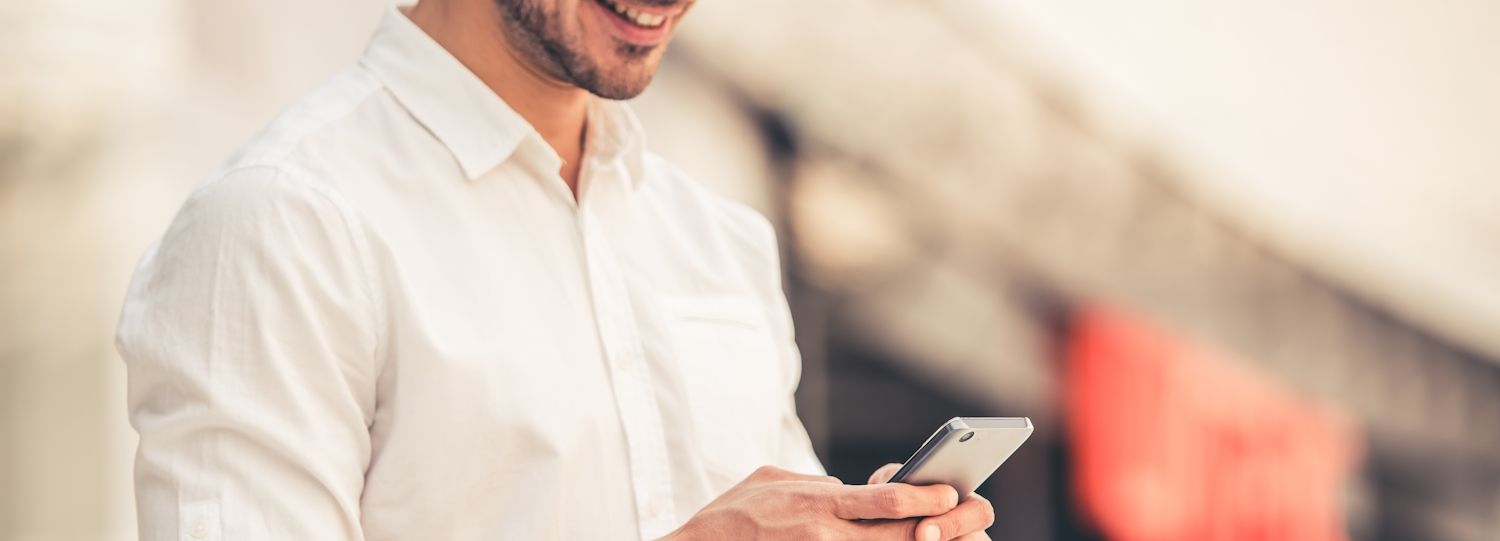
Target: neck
(556, 109)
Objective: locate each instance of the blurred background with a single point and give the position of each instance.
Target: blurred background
(1239, 262)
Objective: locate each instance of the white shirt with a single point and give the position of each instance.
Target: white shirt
(386, 318)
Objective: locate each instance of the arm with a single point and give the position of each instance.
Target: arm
(794, 450)
(774, 503)
(250, 339)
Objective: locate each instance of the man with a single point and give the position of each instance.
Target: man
(449, 296)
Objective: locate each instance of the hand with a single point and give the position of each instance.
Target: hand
(773, 504)
(968, 521)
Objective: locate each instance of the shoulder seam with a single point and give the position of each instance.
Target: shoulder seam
(358, 242)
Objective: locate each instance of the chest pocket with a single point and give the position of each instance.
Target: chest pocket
(733, 377)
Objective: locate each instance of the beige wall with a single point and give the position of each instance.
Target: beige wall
(117, 109)
(1358, 135)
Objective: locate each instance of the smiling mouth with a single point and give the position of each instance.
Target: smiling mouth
(633, 16)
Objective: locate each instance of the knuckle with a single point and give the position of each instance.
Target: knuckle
(893, 499)
(766, 472)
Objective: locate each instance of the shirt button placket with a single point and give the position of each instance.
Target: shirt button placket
(633, 393)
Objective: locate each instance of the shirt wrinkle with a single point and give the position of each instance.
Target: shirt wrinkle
(466, 358)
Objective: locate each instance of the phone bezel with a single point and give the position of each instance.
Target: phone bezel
(957, 426)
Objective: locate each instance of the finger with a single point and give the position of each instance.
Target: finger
(766, 474)
(893, 501)
(884, 473)
(973, 515)
(904, 530)
(886, 530)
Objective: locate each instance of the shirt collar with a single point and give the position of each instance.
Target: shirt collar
(614, 133)
(470, 119)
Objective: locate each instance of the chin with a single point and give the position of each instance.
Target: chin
(620, 90)
(625, 77)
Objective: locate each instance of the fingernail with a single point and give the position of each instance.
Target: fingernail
(951, 498)
(930, 532)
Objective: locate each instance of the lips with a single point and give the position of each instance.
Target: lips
(638, 25)
(635, 16)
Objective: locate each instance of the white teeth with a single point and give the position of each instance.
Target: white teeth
(647, 19)
(638, 17)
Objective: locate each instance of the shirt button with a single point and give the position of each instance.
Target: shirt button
(198, 531)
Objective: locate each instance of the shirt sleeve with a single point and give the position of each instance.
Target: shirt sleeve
(794, 448)
(250, 336)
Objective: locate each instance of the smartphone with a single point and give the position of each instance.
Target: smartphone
(964, 452)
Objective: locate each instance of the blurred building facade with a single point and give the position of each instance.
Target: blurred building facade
(953, 204)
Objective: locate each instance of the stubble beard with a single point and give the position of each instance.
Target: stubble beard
(537, 36)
